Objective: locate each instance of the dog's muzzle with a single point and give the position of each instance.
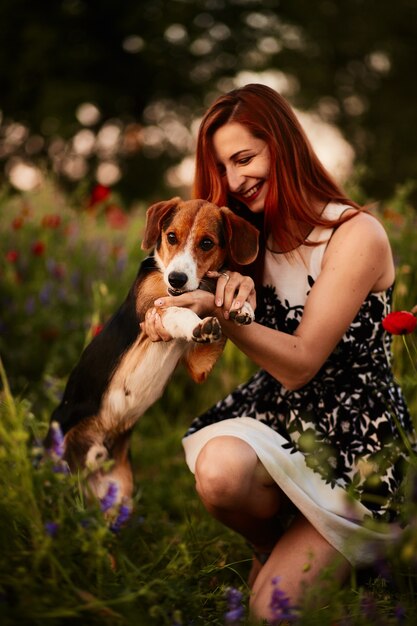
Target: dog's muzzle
(177, 280)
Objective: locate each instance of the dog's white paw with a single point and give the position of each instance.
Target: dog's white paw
(207, 331)
(244, 315)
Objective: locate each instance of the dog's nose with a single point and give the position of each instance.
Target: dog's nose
(177, 279)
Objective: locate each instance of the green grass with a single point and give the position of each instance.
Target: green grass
(171, 563)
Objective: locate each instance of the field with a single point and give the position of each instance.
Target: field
(65, 264)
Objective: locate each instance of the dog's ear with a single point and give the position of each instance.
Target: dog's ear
(155, 215)
(242, 237)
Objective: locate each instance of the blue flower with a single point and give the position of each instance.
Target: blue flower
(45, 294)
(400, 613)
(51, 528)
(30, 305)
(236, 611)
(110, 499)
(123, 516)
(281, 608)
(57, 441)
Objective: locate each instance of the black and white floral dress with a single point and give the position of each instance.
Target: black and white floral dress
(336, 446)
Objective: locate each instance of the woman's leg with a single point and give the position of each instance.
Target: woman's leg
(298, 558)
(237, 490)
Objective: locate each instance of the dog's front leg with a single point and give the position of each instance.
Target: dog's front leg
(183, 323)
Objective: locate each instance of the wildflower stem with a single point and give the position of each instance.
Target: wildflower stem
(413, 344)
(13, 432)
(9, 401)
(413, 456)
(409, 352)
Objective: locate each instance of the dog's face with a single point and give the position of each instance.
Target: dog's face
(196, 236)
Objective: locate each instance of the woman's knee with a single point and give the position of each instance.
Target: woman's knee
(224, 471)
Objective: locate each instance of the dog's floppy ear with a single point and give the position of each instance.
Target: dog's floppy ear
(155, 215)
(243, 238)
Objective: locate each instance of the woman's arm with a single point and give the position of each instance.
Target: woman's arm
(357, 261)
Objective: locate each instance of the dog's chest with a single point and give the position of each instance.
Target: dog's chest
(139, 381)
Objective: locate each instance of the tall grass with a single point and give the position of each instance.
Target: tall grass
(63, 270)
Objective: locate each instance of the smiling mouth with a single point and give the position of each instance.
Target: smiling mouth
(252, 191)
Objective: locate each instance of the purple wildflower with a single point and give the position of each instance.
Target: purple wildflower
(236, 611)
(30, 305)
(45, 294)
(57, 441)
(400, 613)
(280, 605)
(109, 500)
(125, 511)
(368, 606)
(51, 528)
(383, 568)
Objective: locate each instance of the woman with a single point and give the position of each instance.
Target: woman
(301, 456)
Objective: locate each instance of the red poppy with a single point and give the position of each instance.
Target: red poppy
(399, 323)
(12, 256)
(98, 194)
(116, 217)
(51, 221)
(38, 248)
(17, 223)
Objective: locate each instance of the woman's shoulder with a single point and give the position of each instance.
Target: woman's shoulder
(359, 228)
(362, 242)
(361, 224)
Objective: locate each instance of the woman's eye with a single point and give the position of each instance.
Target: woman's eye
(172, 238)
(206, 244)
(245, 160)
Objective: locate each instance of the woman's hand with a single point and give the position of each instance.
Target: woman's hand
(201, 302)
(232, 290)
(153, 327)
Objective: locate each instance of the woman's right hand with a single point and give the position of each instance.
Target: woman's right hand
(152, 326)
(232, 290)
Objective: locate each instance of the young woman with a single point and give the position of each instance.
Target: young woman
(303, 455)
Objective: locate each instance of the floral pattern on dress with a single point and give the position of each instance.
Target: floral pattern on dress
(346, 420)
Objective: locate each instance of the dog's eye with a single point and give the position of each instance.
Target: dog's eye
(206, 244)
(172, 238)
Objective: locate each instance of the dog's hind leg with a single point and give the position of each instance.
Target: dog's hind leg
(119, 473)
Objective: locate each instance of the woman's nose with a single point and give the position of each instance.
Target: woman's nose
(234, 179)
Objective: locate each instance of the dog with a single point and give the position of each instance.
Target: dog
(121, 373)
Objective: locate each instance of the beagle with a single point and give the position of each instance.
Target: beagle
(121, 373)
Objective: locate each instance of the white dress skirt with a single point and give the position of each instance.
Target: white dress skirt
(336, 516)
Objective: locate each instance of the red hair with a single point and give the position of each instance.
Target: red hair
(297, 180)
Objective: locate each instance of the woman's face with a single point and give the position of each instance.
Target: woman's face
(244, 162)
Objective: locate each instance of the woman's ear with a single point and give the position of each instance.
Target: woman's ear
(155, 215)
(242, 237)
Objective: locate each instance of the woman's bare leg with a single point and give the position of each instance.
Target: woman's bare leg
(237, 490)
(298, 558)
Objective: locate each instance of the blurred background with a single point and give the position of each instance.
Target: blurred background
(111, 92)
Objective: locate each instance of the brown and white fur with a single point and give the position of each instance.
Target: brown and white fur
(122, 372)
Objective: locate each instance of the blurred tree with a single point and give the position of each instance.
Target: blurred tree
(144, 71)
